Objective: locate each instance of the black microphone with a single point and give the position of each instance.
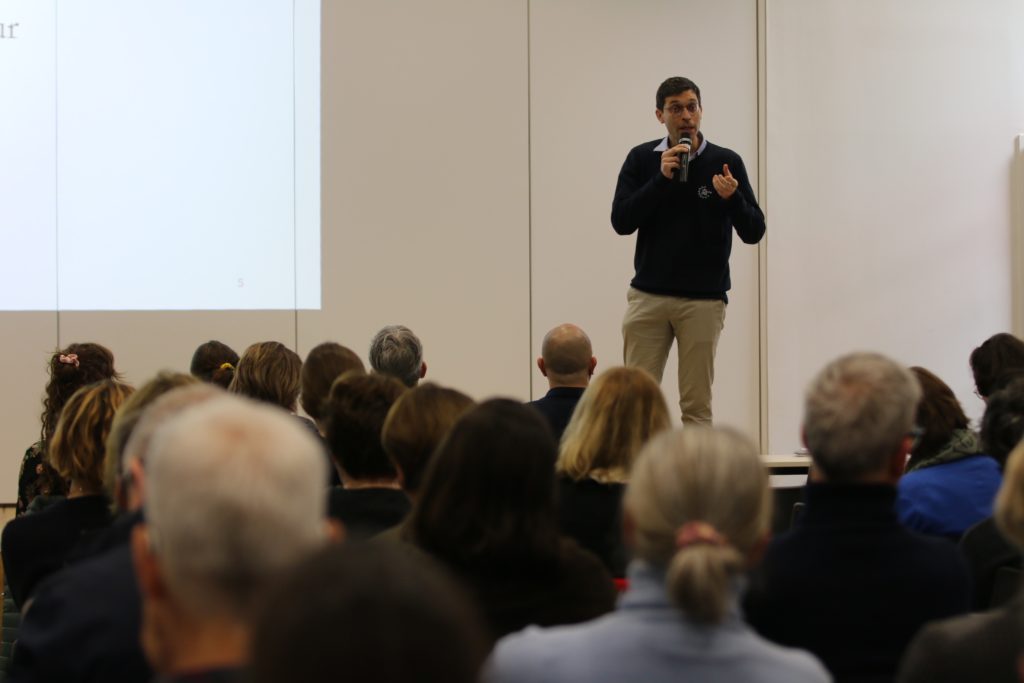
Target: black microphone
(684, 159)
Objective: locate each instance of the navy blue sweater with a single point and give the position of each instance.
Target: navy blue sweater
(684, 229)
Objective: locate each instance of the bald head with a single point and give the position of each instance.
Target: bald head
(567, 358)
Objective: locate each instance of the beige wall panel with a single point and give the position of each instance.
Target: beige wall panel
(27, 339)
(891, 131)
(425, 185)
(595, 67)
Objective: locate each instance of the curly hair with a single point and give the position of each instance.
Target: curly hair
(83, 364)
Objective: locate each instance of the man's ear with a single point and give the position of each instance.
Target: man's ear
(592, 366)
(660, 114)
(423, 370)
(541, 366)
(147, 569)
(898, 460)
(334, 530)
(135, 487)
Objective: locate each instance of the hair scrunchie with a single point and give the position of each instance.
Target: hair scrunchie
(226, 366)
(70, 359)
(696, 533)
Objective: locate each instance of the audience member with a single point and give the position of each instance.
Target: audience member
(618, 413)
(849, 583)
(36, 545)
(84, 622)
(949, 484)
(416, 423)
(998, 357)
(69, 370)
(325, 363)
(214, 362)
(698, 511)
(486, 509)
(984, 546)
(367, 614)
(369, 499)
(978, 647)
(396, 351)
(567, 361)
(235, 494)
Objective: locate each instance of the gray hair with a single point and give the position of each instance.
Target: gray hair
(703, 477)
(856, 412)
(236, 492)
(396, 351)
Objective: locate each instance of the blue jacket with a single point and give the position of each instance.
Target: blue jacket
(949, 498)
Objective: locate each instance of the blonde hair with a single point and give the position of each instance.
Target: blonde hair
(79, 440)
(620, 410)
(706, 478)
(1009, 508)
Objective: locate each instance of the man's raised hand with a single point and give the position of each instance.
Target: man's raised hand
(725, 184)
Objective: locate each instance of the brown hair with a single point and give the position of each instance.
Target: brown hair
(997, 356)
(325, 363)
(79, 440)
(354, 416)
(268, 372)
(620, 410)
(939, 413)
(488, 496)
(214, 362)
(417, 422)
(83, 364)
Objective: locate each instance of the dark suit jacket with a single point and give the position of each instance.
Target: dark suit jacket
(853, 586)
(557, 406)
(975, 647)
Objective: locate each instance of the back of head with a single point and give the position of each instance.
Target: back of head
(353, 417)
(617, 414)
(324, 364)
(939, 414)
(236, 492)
(269, 372)
(396, 351)
(1002, 426)
(78, 445)
(857, 411)
(488, 496)
(567, 354)
(699, 503)
(997, 356)
(214, 362)
(416, 424)
(127, 418)
(381, 613)
(70, 369)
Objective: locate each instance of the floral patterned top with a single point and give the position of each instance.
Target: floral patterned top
(37, 477)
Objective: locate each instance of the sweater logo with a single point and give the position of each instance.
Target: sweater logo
(703, 192)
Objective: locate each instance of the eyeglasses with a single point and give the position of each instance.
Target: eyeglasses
(916, 434)
(676, 109)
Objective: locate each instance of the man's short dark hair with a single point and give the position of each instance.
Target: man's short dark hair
(354, 415)
(676, 85)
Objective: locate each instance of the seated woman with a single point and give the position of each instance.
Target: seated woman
(38, 544)
(949, 485)
(983, 646)
(214, 362)
(69, 370)
(697, 514)
(486, 509)
(615, 417)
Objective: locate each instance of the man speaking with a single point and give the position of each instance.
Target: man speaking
(683, 196)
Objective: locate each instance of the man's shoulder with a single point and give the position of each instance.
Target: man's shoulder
(717, 151)
(645, 148)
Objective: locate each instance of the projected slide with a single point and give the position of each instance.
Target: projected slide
(159, 154)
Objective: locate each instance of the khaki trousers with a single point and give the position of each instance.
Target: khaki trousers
(652, 322)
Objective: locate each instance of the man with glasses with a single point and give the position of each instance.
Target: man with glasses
(684, 237)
